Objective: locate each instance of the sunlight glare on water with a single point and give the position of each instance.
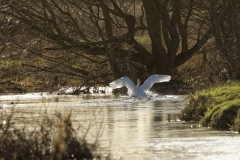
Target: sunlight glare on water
(132, 128)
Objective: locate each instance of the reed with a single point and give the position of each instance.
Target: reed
(54, 139)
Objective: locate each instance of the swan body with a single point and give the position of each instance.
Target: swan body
(138, 90)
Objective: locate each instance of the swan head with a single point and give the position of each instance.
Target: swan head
(138, 82)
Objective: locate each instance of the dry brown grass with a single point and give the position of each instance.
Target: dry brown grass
(51, 139)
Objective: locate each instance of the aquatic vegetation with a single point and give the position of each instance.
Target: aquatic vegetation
(216, 107)
(51, 139)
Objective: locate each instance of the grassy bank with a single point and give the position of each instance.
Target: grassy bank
(217, 107)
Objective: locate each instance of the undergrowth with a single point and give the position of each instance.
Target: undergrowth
(50, 139)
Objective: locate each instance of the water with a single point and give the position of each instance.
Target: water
(130, 128)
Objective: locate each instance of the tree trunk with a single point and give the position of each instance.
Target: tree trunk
(160, 61)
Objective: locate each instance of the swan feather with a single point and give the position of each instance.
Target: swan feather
(121, 82)
(157, 78)
(139, 91)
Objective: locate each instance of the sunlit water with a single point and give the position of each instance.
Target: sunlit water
(130, 128)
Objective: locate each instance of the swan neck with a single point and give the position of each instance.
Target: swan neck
(138, 82)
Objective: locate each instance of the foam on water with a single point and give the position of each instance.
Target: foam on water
(127, 99)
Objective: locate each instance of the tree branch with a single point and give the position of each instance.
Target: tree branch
(185, 55)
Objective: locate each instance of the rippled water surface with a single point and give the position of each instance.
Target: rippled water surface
(130, 128)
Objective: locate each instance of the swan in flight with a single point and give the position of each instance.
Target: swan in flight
(138, 90)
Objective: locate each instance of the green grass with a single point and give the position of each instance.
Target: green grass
(216, 107)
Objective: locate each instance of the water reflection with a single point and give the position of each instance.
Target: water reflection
(130, 128)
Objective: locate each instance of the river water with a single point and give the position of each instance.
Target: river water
(129, 128)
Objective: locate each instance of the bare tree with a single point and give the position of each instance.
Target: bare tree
(227, 37)
(95, 39)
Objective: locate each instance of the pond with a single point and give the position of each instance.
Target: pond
(129, 128)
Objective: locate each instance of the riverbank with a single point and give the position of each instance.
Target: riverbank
(217, 107)
(174, 87)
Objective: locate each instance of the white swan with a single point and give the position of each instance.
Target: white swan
(136, 90)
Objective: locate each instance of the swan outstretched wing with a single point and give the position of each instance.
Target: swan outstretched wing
(157, 78)
(124, 81)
